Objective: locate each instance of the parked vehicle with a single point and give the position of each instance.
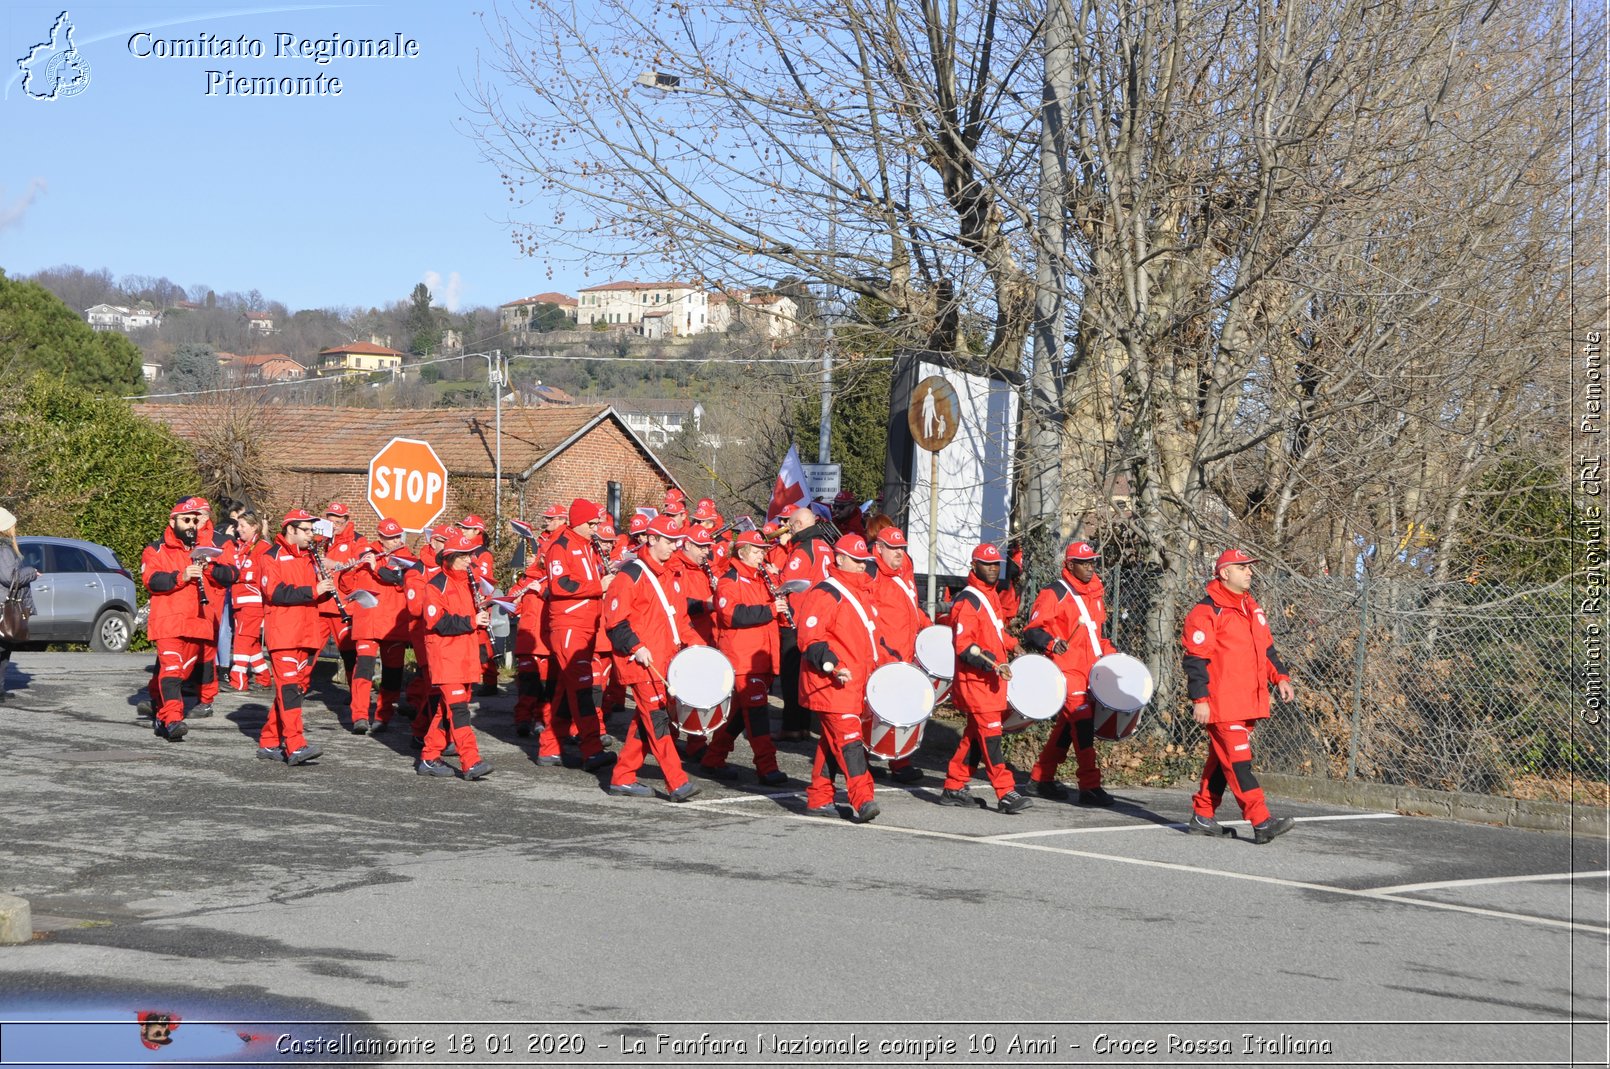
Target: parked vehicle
(82, 594)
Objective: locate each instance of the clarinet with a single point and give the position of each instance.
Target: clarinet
(771, 588)
(317, 549)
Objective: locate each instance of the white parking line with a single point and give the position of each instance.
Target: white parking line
(1174, 827)
(1407, 888)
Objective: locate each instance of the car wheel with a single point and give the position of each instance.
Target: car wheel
(112, 631)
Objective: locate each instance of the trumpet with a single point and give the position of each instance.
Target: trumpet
(316, 548)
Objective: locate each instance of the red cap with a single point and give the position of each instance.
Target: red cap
(787, 511)
(674, 494)
(389, 528)
(460, 542)
(705, 503)
(584, 511)
(555, 511)
(853, 546)
(189, 504)
(606, 528)
(1234, 556)
(893, 537)
(769, 530)
(337, 509)
(666, 527)
(843, 497)
(443, 531)
(705, 512)
(472, 522)
(1081, 551)
(987, 553)
(637, 524)
(749, 538)
(674, 508)
(700, 536)
(296, 516)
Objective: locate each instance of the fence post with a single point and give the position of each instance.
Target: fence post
(1358, 666)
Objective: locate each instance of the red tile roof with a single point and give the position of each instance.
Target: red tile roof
(640, 286)
(362, 348)
(346, 439)
(257, 361)
(543, 298)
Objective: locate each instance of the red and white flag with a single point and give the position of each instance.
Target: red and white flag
(790, 488)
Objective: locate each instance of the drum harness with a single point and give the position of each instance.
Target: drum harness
(983, 603)
(659, 592)
(871, 635)
(1084, 618)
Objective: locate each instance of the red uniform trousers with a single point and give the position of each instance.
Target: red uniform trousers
(177, 658)
(391, 656)
(650, 731)
(489, 659)
(1075, 726)
(980, 742)
(341, 634)
(573, 696)
(452, 700)
(533, 679)
(293, 669)
(247, 662)
(840, 749)
(1229, 761)
(419, 692)
(750, 716)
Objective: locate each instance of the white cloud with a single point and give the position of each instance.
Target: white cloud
(446, 293)
(11, 214)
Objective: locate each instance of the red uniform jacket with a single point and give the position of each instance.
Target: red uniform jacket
(832, 631)
(176, 609)
(575, 586)
(291, 613)
(345, 545)
(247, 593)
(977, 621)
(900, 617)
(1056, 615)
(637, 615)
(747, 631)
(452, 647)
(696, 587)
(528, 593)
(389, 620)
(1230, 655)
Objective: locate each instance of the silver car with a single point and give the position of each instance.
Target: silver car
(82, 594)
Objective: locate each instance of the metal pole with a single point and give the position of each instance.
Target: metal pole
(824, 446)
(1358, 671)
(933, 532)
(496, 378)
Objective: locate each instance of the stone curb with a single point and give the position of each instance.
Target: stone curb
(16, 920)
(1452, 805)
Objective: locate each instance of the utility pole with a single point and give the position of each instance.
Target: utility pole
(824, 445)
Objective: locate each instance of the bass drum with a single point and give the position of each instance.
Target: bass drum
(900, 699)
(700, 682)
(1035, 692)
(1120, 688)
(936, 655)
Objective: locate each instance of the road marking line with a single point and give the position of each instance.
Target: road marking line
(762, 796)
(1406, 888)
(1275, 881)
(1152, 826)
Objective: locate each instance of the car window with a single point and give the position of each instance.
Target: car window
(71, 559)
(34, 554)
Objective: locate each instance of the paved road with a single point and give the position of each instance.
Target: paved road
(192, 878)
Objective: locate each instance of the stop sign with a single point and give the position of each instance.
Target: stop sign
(408, 482)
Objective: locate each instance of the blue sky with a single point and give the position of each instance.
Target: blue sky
(316, 201)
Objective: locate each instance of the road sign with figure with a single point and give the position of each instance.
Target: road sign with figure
(408, 482)
(934, 414)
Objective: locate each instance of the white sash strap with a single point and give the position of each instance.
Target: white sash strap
(871, 636)
(1084, 618)
(676, 636)
(989, 610)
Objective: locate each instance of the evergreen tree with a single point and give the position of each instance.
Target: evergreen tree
(424, 325)
(38, 333)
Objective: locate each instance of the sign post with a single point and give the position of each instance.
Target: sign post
(933, 417)
(408, 482)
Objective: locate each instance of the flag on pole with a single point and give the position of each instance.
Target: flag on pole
(790, 487)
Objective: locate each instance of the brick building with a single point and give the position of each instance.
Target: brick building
(550, 453)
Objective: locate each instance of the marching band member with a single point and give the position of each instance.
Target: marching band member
(693, 561)
(646, 617)
(452, 622)
(1230, 663)
(186, 598)
(570, 625)
(838, 651)
(1066, 625)
(810, 555)
(847, 514)
(979, 690)
(345, 544)
(419, 693)
(484, 568)
(900, 617)
(248, 665)
(747, 616)
(295, 633)
(533, 664)
(381, 633)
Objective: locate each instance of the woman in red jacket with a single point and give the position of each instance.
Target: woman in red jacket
(453, 623)
(1230, 663)
(294, 633)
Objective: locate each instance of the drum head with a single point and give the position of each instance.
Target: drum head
(936, 651)
(1037, 688)
(900, 695)
(701, 677)
(1121, 682)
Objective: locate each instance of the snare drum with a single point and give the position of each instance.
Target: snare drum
(900, 699)
(1120, 687)
(936, 655)
(1035, 692)
(700, 681)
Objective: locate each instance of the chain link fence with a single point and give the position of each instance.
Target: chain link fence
(1458, 688)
